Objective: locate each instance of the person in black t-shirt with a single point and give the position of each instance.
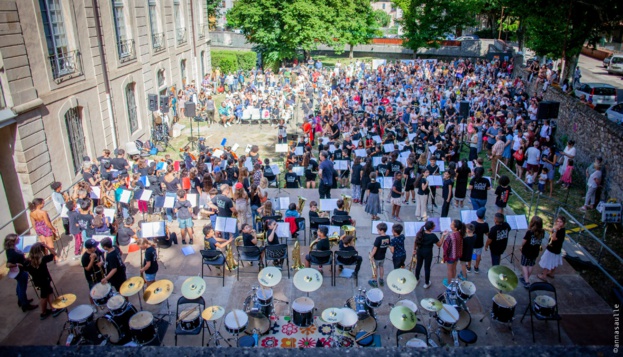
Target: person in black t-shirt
(150, 263)
(530, 249)
(480, 229)
(446, 192)
(468, 249)
(119, 163)
(433, 170)
(115, 268)
(381, 243)
(345, 244)
(321, 245)
(92, 262)
(425, 240)
(502, 193)
(479, 187)
(498, 239)
(382, 169)
(37, 266)
(249, 239)
(292, 179)
(551, 258)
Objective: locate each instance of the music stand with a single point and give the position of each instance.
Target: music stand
(517, 222)
(155, 231)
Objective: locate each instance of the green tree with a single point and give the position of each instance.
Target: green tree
(279, 27)
(356, 25)
(382, 18)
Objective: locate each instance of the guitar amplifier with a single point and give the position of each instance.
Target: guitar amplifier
(611, 212)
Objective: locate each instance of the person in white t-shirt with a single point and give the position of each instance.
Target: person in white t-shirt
(594, 180)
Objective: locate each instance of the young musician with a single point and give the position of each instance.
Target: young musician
(381, 243)
(322, 245)
(396, 196)
(425, 239)
(150, 262)
(433, 170)
(292, 179)
(480, 229)
(551, 258)
(37, 267)
(211, 242)
(92, 262)
(446, 192)
(397, 247)
(498, 238)
(249, 239)
(115, 268)
(183, 208)
(346, 244)
(453, 248)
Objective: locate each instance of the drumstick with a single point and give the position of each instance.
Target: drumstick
(186, 313)
(449, 313)
(236, 318)
(368, 334)
(505, 299)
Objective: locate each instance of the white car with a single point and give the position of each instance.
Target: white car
(615, 113)
(603, 95)
(616, 64)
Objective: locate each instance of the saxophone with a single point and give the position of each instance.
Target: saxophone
(413, 263)
(348, 202)
(301, 204)
(333, 240)
(373, 265)
(261, 240)
(232, 264)
(296, 257)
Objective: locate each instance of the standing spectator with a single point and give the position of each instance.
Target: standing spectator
(530, 249)
(326, 175)
(594, 180)
(16, 261)
(551, 258)
(425, 239)
(568, 154)
(498, 238)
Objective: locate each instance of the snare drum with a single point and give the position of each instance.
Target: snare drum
(416, 343)
(236, 321)
(265, 301)
(447, 317)
(374, 298)
(467, 289)
(101, 293)
(503, 309)
(465, 319)
(116, 326)
(349, 320)
(358, 304)
(117, 304)
(258, 323)
(303, 312)
(81, 316)
(190, 318)
(544, 306)
(409, 304)
(143, 328)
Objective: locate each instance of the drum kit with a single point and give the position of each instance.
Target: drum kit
(503, 305)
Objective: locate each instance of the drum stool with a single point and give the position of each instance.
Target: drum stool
(468, 337)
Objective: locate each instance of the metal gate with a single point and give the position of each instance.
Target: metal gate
(75, 133)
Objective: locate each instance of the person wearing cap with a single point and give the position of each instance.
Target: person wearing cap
(115, 267)
(92, 262)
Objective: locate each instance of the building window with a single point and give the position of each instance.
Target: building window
(183, 72)
(160, 75)
(2, 102)
(125, 45)
(383, 6)
(157, 38)
(180, 29)
(131, 104)
(203, 67)
(62, 60)
(75, 134)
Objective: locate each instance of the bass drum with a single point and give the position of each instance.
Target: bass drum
(303, 312)
(116, 327)
(366, 325)
(503, 309)
(465, 319)
(143, 328)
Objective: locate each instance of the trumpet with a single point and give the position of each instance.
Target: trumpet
(301, 204)
(348, 202)
(296, 257)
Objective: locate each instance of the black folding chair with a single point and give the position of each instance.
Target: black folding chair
(419, 329)
(322, 257)
(179, 325)
(301, 225)
(341, 220)
(266, 218)
(277, 252)
(541, 286)
(247, 254)
(315, 222)
(340, 256)
(213, 258)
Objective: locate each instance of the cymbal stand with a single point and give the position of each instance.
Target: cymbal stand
(161, 316)
(438, 254)
(431, 342)
(491, 319)
(217, 336)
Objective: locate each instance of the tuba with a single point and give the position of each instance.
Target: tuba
(350, 230)
(232, 264)
(296, 257)
(348, 201)
(301, 204)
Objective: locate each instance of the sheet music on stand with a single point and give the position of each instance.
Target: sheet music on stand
(387, 182)
(158, 201)
(411, 136)
(332, 230)
(169, 202)
(517, 222)
(356, 143)
(281, 147)
(388, 148)
(340, 164)
(95, 192)
(434, 180)
(192, 198)
(283, 230)
(275, 168)
(442, 165)
(25, 243)
(445, 224)
(376, 161)
(224, 224)
(328, 204)
(332, 148)
(361, 153)
(153, 229)
(389, 227)
(98, 238)
(248, 164)
(468, 216)
(299, 170)
(125, 196)
(377, 139)
(411, 228)
(146, 195)
(298, 151)
(281, 203)
(110, 213)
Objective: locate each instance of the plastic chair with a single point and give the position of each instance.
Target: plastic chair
(178, 326)
(213, 258)
(418, 329)
(247, 254)
(322, 257)
(277, 252)
(541, 286)
(345, 255)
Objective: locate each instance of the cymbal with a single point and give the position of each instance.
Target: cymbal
(401, 281)
(131, 286)
(307, 280)
(158, 292)
(347, 228)
(402, 318)
(430, 304)
(193, 287)
(332, 315)
(63, 301)
(269, 276)
(502, 278)
(213, 313)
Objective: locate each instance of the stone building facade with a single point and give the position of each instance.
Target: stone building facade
(75, 75)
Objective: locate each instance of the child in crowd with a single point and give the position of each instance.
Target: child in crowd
(502, 193)
(150, 263)
(452, 248)
(101, 223)
(530, 176)
(397, 247)
(126, 235)
(381, 243)
(74, 229)
(396, 196)
(184, 216)
(566, 176)
(543, 179)
(480, 229)
(468, 250)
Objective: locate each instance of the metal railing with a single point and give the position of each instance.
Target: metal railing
(158, 41)
(64, 64)
(181, 35)
(126, 50)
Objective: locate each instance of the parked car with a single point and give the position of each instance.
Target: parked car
(616, 65)
(467, 37)
(607, 61)
(603, 95)
(615, 113)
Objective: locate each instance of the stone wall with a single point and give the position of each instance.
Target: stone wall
(594, 135)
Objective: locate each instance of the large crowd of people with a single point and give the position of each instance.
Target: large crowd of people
(392, 133)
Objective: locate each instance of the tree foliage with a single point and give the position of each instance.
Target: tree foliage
(382, 18)
(355, 24)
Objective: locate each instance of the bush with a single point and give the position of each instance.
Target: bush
(232, 61)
